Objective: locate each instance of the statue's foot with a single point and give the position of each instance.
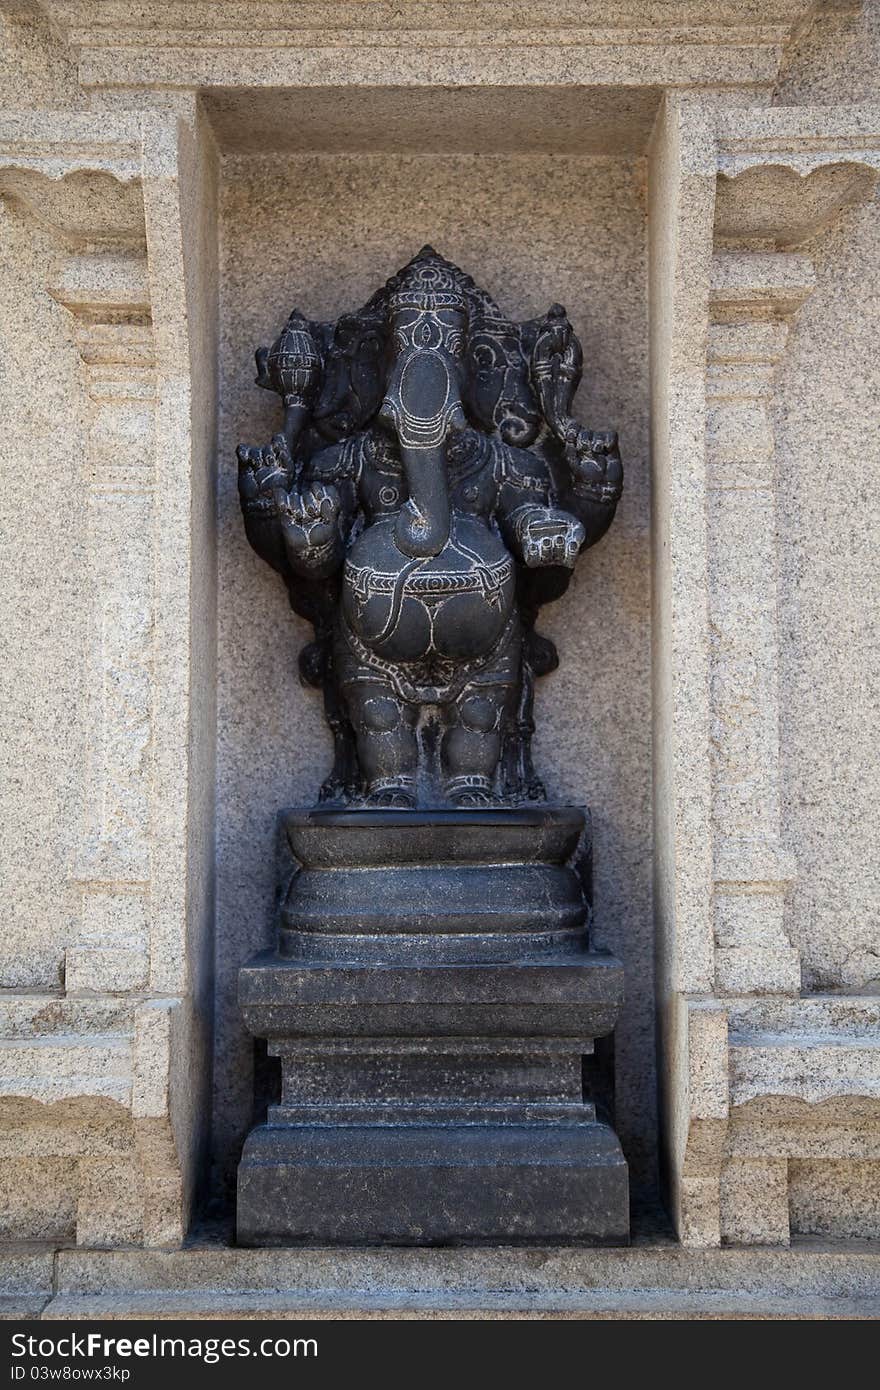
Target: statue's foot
(332, 790)
(470, 791)
(401, 799)
(473, 798)
(400, 795)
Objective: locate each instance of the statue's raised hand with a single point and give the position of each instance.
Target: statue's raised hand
(264, 470)
(310, 522)
(593, 460)
(550, 537)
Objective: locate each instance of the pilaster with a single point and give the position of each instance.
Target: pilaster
(108, 1084)
(753, 296)
(743, 1050)
(107, 293)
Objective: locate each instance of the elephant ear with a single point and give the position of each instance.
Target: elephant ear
(354, 376)
(499, 391)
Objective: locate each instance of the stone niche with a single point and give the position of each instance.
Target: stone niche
(348, 192)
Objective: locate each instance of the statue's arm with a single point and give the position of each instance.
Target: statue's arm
(295, 523)
(593, 480)
(535, 531)
(311, 531)
(315, 516)
(265, 473)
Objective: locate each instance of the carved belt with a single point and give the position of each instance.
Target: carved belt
(488, 580)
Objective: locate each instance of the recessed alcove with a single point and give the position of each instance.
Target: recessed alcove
(540, 195)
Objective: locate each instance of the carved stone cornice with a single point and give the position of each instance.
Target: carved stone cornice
(280, 43)
(76, 175)
(786, 174)
(59, 144)
(262, 23)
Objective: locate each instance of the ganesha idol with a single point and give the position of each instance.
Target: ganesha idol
(428, 492)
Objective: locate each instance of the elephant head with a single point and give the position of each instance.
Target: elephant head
(500, 395)
(427, 321)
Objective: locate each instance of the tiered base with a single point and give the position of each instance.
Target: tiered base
(432, 1045)
(433, 1185)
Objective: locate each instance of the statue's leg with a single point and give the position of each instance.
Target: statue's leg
(472, 743)
(531, 786)
(513, 736)
(385, 730)
(342, 783)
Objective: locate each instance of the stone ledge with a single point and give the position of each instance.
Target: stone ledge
(55, 1049)
(86, 1091)
(66, 1066)
(811, 1070)
(811, 1280)
(635, 1304)
(26, 1281)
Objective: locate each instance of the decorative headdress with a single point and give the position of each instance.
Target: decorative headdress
(430, 282)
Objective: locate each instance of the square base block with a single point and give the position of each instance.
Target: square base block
(433, 1185)
(573, 995)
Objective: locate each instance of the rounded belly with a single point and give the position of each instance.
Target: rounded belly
(451, 606)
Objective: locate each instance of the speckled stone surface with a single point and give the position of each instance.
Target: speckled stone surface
(320, 233)
(829, 587)
(801, 1090)
(811, 1280)
(829, 604)
(801, 1084)
(26, 1280)
(43, 620)
(104, 799)
(455, 42)
(35, 69)
(836, 1198)
(833, 58)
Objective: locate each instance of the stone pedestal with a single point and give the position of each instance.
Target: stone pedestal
(431, 1000)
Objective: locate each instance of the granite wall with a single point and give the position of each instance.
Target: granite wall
(44, 622)
(828, 432)
(42, 531)
(828, 452)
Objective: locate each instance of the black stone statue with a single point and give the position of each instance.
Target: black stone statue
(432, 992)
(429, 491)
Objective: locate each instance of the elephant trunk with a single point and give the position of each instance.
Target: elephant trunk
(422, 526)
(422, 403)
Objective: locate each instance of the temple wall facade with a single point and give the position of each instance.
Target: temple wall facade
(703, 198)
